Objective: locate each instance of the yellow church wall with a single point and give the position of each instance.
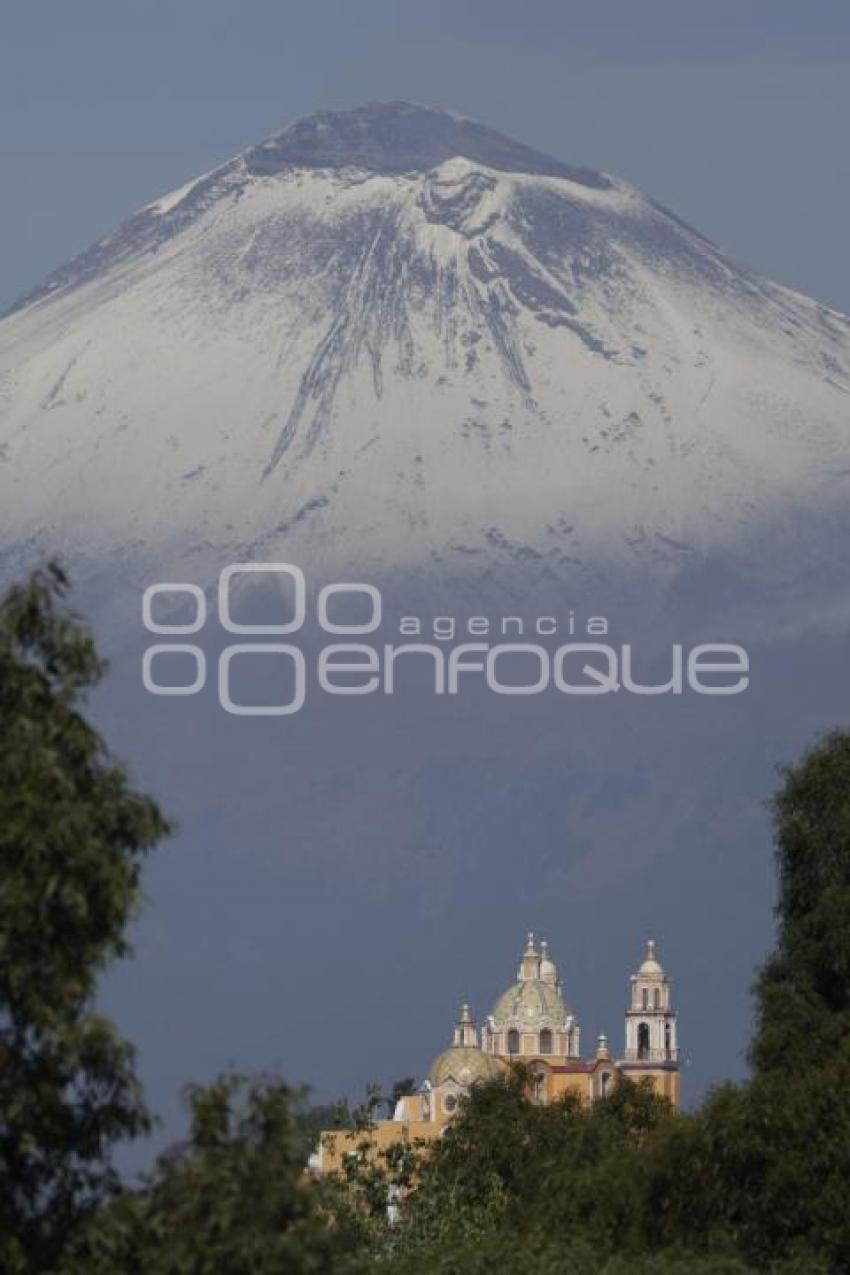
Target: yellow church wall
(666, 1082)
(572, 1082)
(335, 1145)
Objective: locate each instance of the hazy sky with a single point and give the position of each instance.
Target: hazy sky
(733, 114)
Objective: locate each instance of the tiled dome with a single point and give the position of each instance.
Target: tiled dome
(530, 1005)
(465, 1064)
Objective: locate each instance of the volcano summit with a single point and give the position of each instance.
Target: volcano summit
(393, 340)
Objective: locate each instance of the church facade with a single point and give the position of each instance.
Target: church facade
(531, 1023)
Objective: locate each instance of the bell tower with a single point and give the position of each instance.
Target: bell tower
(652, 1048)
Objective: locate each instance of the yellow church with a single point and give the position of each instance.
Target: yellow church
(532, 1023)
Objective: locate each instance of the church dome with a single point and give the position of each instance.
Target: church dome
(530, 1005)
(465, 1064)
(651, 965)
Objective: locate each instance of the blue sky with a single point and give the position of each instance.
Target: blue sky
(733, 114)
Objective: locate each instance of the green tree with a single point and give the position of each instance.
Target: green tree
(766, 1165)
(803, 992)
(235, 1199)
(73, 834)
(565, 1172)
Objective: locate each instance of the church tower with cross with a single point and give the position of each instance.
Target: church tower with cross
(651, 1044)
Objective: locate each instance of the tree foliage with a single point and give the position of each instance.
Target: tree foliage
(235, 1199)
(803, 992)
(72, 837)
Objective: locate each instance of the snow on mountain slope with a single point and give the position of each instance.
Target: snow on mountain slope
(393, 339)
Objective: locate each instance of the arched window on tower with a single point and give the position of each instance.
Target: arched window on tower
(546, 1041)
(644, 998)
(643, 1040)
(513, 1041)
(667, 1039)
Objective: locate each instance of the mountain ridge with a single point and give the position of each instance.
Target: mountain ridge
(451, 366)
(380, 137)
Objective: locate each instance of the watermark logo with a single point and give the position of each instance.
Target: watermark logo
(582, 666)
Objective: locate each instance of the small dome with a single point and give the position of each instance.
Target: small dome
(529, 967)
(530, 1006)
(548, 968)
(465, 1064)
(651, 964)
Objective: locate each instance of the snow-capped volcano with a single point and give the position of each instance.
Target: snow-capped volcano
(392, 338)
